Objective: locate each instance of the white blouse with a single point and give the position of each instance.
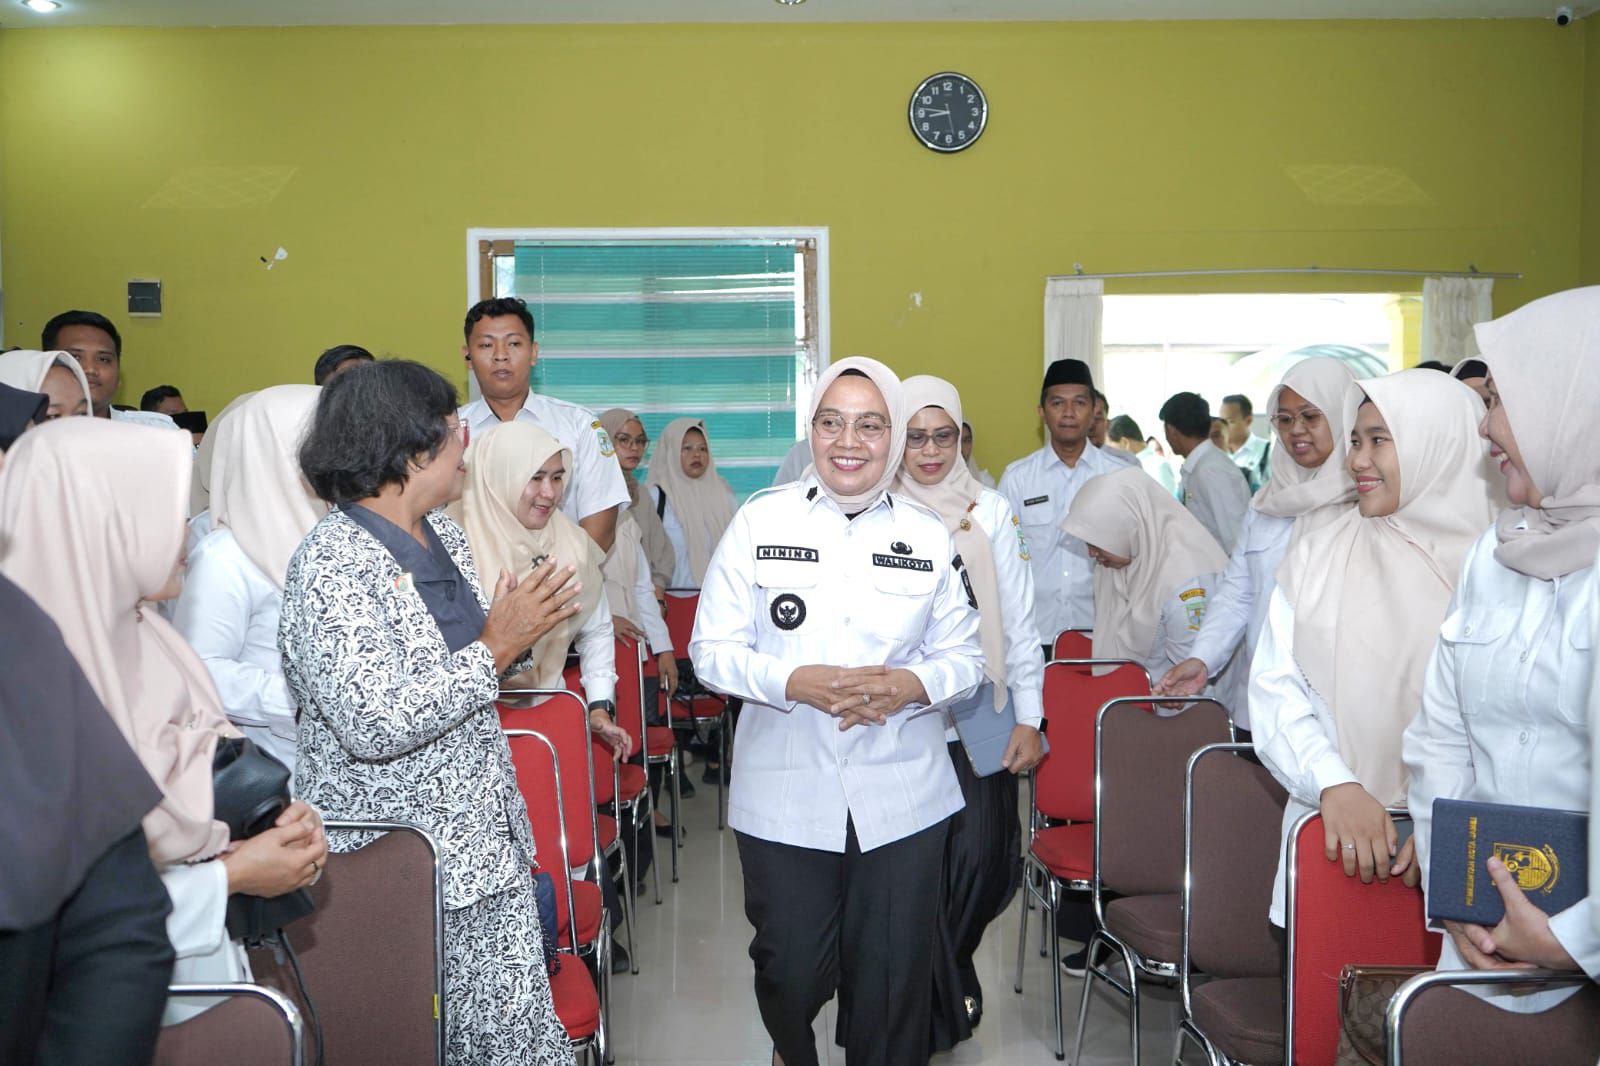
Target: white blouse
(1505, 719)
(198, 930)
(682, 573)
(228, 613)
(1182, 621)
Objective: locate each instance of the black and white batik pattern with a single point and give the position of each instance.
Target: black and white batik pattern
(498, 1009)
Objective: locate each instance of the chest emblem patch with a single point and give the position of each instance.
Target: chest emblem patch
(900, 547)
(788, 611)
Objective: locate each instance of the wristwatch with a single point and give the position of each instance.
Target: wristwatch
(603, 705)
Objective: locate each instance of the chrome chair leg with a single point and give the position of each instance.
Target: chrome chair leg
(1089, 975)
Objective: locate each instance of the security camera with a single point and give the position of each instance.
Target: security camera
(1563, 16)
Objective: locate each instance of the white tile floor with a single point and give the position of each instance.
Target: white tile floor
(692, 1000)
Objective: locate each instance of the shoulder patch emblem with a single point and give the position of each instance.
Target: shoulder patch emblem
(1194, 605)
(603, 438)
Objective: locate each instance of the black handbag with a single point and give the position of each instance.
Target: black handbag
(250, 790)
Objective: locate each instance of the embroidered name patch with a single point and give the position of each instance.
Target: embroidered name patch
(1036, 499)
(786, 553)
(898, 562)
(788, 611)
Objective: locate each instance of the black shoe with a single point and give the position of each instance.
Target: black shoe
(640, 888)
(714, 775)
(1074, 965)
(685, 787)
(974, 1011)
(620, 963)
(665, 831)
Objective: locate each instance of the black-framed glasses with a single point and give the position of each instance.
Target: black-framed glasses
(943, 438)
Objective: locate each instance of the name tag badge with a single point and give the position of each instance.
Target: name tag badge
(786, 553)
(1036, 501)
(900, 562)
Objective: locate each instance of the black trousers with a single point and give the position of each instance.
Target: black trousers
(859, 923)
(87, 987)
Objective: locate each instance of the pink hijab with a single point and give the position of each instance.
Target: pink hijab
(92, 522)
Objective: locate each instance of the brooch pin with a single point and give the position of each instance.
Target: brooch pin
(404, 582)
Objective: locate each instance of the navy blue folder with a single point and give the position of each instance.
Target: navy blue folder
(1545, 850)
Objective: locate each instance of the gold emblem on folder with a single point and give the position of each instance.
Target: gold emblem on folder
(1535, 869)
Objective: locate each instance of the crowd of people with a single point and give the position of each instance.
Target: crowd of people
(1395, 598)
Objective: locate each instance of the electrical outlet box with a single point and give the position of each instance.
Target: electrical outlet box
(144, 298)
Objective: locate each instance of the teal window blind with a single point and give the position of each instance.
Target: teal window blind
(714, 329)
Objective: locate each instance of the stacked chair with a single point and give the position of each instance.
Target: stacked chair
(694, 708)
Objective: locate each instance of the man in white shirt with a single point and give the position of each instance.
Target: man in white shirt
(1100, 432)
(1210, 486)
(1248, 451)
(1040, 488)
(91, 339)
(501, 351)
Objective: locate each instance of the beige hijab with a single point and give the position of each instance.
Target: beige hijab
(953, 499)
(91, 517)
(1128, 513)
(1545, 359)
(499, 467)
(205, 458)
(889, 385)
(703, 505)
(26, 370)
(1313, 498)
(1369, 594)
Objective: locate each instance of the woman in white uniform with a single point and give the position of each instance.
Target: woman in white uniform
(1308, 487)
(69, 496)
(1155, 568)
(1337, 675)
(1505, 706)
(983, 858)
(837, 612)
(261, 509)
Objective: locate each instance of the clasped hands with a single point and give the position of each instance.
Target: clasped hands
(856, 695)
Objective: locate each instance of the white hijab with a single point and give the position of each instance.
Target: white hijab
(703, 505)
(26, 370)
(1313, 498)
(1545, 360)
(888, 384)
(953, 500)
(1369, 594)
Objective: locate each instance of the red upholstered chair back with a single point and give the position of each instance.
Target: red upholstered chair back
(565, 721)
(1073, 644)
(680, 620)
(1064, 780)
(1335, 921)
(630, 691)
(539, 780)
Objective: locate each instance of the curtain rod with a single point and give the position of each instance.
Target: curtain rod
(1470, 272)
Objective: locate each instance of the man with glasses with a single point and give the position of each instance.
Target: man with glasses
(1040, 488)
(1248, 451)
(501, 351)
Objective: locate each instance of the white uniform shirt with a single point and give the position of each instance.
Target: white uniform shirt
(1158, 467)
(199, 526)
(1013, 576)
(1040, 488)
(1238, 609)
(198, 929)
(682, 573)
(794, 583)
(1505, 719)
(596, 485)
(794, 463)
(228, 612)
(1182, 619)
(1215, 492)
(1292, 729)
(1249, 459)
(154, 419)
(1117, 455)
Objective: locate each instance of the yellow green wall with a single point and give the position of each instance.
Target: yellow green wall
(1591, 152)
(1118, 145)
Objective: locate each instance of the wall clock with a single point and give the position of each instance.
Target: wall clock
(948, 112)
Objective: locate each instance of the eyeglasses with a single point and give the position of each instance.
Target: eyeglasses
(1311, 418)
(943, 438)
(462, 430)
(869, 427)
(628, 441)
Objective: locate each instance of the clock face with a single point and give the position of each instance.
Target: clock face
(948, 112)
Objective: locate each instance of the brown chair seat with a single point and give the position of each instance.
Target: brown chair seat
(1150, 925)
(1452, 1026)
(1243, 1017)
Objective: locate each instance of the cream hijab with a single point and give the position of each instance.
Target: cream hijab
(953, 500)
(26, 370)
(703, 505)
(1369, 594)
(205, 458)
(1545, 360)
(92, 522)
(1313, 498)
(257, 490)
(1128, 513)
(621, 565)
(889, 385)
(499, 466)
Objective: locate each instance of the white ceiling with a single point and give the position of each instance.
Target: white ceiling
(433, 12)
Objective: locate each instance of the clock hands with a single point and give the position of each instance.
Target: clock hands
(935, 114)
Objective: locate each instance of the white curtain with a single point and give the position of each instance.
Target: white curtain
(1450, 308)
(1072, 314)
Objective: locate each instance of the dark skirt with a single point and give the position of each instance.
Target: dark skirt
(983, 870)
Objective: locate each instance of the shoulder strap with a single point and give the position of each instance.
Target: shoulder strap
(661, 502)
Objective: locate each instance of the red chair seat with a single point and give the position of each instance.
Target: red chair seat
(1067, 851)
(699, 708)
(586, 898)
(608, 831)
(576, 1002)
(659, 740)
(633, 780)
